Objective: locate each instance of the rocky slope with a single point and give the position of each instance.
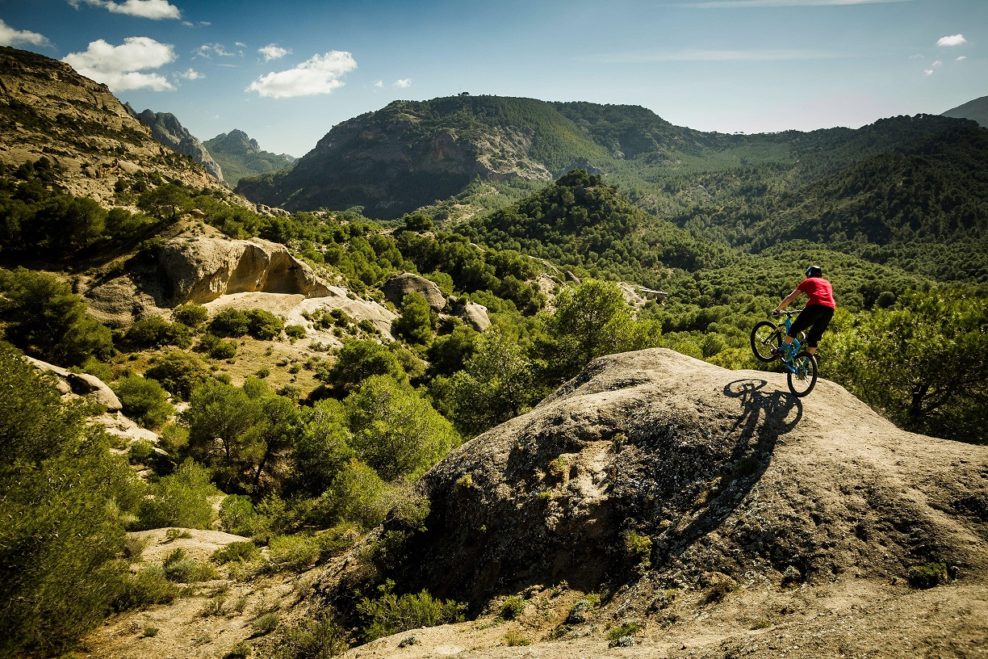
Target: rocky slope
(240, 156)
(167, 129)
(47, 109)
(681, 491)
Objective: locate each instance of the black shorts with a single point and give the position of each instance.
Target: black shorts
(816, 318)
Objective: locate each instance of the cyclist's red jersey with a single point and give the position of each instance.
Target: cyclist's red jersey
(819, 290)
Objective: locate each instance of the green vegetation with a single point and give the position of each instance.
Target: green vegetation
(144, 401)
(63, 497)
(389, 613)
(181, 499)
(44, 318)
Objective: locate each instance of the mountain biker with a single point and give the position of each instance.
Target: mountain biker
(817, 314)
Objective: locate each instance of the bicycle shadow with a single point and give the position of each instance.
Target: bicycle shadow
(765, 416)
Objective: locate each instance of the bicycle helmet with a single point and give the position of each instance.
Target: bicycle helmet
(814, 271)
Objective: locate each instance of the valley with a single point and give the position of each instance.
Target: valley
(473, 378)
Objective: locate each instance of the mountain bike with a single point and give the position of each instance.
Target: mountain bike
(800, 366)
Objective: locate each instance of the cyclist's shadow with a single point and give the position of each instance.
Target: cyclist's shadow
(765, 416)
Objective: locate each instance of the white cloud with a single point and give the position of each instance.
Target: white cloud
(191, 74)
(961, 58)
(11, 37)
(937, 64)
(320, 74)
(207, 50)
(927, 72)
(404, 83)
(121, 67)
(273, 51)
(951, 40)
(239, 44)
(379, 84)
(153, 9)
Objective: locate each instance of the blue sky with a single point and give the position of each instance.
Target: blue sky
(286, 72)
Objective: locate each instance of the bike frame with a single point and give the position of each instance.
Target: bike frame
(795, 346)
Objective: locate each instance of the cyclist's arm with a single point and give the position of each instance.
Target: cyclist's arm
(788, 299)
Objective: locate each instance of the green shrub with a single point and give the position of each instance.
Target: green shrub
(229, 322)
(357, 495)
(624, 629)
(928, 575)
(218, 348)
(238, 516)
(140, 452)
(389, 613)
(143, 400)
(147, 587)
(414, 323)
(320, 638)
(512, 608)
(191, 314)
(182, 569)
(236, 551)
(292, 552)
(264, 624)
(357, 361)
(59, 483)
(336, 540)
(178, 372)
(181, 499)
(156, 332)
(295, 331)
(263, 325)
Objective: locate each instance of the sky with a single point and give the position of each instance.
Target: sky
(287, 72)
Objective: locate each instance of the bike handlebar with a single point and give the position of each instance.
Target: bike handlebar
(786, 312)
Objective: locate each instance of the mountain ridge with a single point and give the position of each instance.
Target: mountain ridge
(240, 155)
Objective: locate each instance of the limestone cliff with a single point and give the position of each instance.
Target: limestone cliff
(167, 129)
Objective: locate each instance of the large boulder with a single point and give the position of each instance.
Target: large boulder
(396, 288)
(653, 465)
(81, 384)
(202, 269)
(474, 314)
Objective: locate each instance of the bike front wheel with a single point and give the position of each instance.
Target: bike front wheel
(802, 377)
(765, 336)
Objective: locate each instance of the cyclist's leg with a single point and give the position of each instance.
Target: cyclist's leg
(803, 320)
(820, 322)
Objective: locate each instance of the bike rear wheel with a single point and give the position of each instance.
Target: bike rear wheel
(802, 378)
(765, 336)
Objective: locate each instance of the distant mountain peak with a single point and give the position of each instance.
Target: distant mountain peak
(976, 110)
(167, 129)
(241, 155)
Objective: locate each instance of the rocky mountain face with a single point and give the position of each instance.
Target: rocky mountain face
(240, 156)
(49, 110)
(658, 478)
(411, 154)
(166, 128)
(976, 110)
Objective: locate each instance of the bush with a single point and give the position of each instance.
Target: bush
(149, 586)
(178, 372)
(321, 449)
(156, 332)
(181, 499)
(295, 331)
(263, 325)
(191, 314)
(315, 639)
(512, 608)
(292, 552)
(357, 495)
(59, 483)
(238, 516)
(182, 569)
(928, 575)
(144, 401)
(389, 613)
(218, 348)
(414, 324)
(140, 453)
(236, 551)
(229, 322)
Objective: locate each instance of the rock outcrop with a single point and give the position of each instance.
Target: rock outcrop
(80, 384)
(48, 110)
(202, 269)
(240, 156)
(167, 129)
(661, 470)
(396, 288)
